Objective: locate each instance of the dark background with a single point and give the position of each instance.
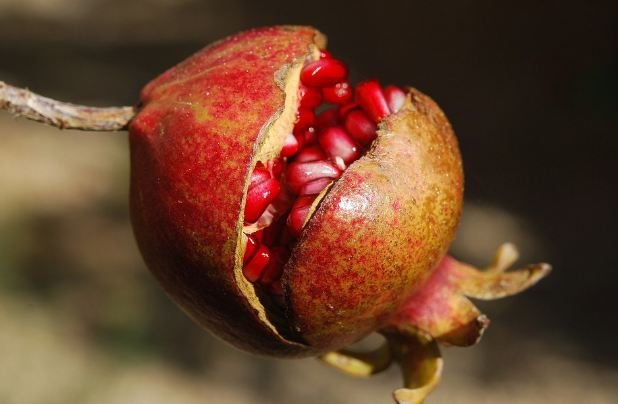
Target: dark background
(531, 89)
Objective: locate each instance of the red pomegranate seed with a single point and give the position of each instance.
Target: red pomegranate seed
(250, 248)
(259, 197)
(395, 98)
(259, 175)
(371, 99)
(340, 93)
(323, 72)
(310, 136)
(298, 174)
(315, 187)
(324, 54)
(305, 117)
(278, 257)
(345, 109)
(310, 97)
(311, 153)
(327, 118)
(258, 235)
(275, 167)
(254, 268)
(290, 146)
(336, 142)
(360, 127)
(298, 214)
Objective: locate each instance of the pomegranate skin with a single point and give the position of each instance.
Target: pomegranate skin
(192, 145)
(372, 241)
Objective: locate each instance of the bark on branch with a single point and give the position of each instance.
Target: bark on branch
(21, 102)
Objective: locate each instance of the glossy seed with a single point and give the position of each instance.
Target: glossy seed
(250, 248)
(371, 98)
(259, 175)
(298, 214)
(298, 174)
(324, 72)
(290, 146)
(311, 153)
(305, 117)
(278, 257)
(259, 197)
(256, 265)
(340, 93)
(310, 97)
(315, 187)
(395, 98)
(336, 142)
(360, 127)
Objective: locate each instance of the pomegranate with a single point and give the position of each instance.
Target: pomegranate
(293, 213)
(201, 145)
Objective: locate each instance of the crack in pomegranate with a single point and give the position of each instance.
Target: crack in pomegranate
(320, 148)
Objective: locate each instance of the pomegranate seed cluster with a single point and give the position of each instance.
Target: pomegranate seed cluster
(322, 145)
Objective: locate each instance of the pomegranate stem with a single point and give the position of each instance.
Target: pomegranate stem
(420, 361)
(416, 353)
(360, 364)
(63, 115)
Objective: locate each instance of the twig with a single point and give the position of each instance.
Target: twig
(21, 102)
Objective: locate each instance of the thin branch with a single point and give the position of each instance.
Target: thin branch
(63, 115)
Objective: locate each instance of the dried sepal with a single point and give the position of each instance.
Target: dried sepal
(421, 365)
(360, 364)
(416, 353)
(441, 307)
(494, 282)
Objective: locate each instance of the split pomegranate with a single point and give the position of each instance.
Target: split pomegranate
(293, 213)
(287, 209)
(311, 162)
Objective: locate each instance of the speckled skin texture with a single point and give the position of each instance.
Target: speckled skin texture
(191, 148)
(379, 231)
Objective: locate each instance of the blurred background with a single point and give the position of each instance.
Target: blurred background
(531, 89)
